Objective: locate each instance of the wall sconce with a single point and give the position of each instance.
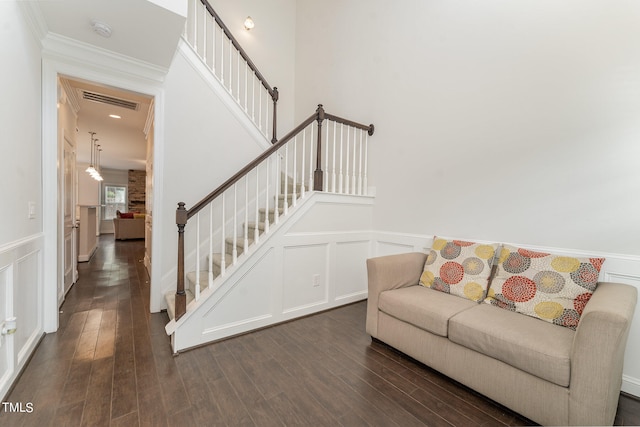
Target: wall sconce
(248, 23)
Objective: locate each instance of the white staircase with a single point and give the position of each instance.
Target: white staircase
(204, 278)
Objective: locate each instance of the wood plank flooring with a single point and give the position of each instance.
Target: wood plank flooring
(110, 364)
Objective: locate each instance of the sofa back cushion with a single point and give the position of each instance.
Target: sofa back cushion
(551, 287)
(459, 268)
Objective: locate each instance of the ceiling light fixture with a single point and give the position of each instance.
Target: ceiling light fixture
(248, 23)
(115, 116)
(101, 29)
(95, 151)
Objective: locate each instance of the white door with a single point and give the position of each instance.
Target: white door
(69, 215)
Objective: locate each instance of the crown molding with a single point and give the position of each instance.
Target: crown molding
(57, 47)
(35, 19)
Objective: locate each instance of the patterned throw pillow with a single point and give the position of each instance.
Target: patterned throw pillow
(459, 268)
(550, 287)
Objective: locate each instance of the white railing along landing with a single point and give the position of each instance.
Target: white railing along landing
(232, 219)
(222, 54)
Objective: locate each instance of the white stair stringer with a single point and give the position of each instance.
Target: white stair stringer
(312, 260)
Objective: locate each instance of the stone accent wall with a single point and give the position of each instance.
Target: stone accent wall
(137, 190)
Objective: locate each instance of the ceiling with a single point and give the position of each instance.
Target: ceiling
(144, 30)
(147, 30)
(123, 140)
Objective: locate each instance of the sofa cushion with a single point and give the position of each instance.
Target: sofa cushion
(459, 268)
(539, 348)
(423, 307)
(554, 288)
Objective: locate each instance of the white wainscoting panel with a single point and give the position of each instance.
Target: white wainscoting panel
(303, 266)
(304, 269)
(245, 299)
(6, 342)
(26, 302)
(21, 296)
(351, 269)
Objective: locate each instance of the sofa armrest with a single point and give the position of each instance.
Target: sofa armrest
(390, 272)
(597, 355)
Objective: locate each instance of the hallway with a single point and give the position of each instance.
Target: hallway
(99, 366)
(110, 364)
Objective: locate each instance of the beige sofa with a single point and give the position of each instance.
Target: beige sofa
(128, 228)
(549, 374)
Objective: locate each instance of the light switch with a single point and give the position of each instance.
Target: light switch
(32, 210)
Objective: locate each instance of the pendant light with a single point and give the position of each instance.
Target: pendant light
(95, 151)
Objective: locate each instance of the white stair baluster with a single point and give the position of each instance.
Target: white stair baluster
(326, 156)
(234, 251)
(238, 76)
(197, 284)
(194, 23)
(276, 210)
(260, 108)
(210, 254)
(333, 169)
(295, 171)
(360, 166)
(304, 160)
(286, 178)
(365, 184)
(256, 230)
(353, 166)
(230, 67)
(326, 173)
(253, 97)
(222, 36)
(266, 200)
(246, 85)
(346, 163)
(246, 213)
(205, 14)
(214, 29)
(266, 114)
(223, 240)
(340, 173)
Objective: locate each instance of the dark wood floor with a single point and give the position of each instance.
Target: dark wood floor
(110, 363)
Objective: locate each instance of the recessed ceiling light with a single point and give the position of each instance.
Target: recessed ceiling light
(101, 29)
(114, 116)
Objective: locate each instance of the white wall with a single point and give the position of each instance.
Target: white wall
(88, 188)
(270, 45)
(20, 112)
(21, 238)
(505, 121)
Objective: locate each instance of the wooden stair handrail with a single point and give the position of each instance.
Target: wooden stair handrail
(370, 128)
(272, 91)
(183, 215)
(318, 115)
(242, 172)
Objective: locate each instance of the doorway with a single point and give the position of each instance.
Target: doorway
(107, 131)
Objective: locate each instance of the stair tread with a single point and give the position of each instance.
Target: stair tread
(239, 241)
(170, 298)
(204, 278)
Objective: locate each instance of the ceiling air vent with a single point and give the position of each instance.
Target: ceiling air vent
(106, 99)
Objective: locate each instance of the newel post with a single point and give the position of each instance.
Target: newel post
(181, 297)
(317, 174)
(274, 95)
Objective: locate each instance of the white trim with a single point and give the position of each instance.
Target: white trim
(99, 60)
(631, 385)
(62, 56)
(33, 15)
